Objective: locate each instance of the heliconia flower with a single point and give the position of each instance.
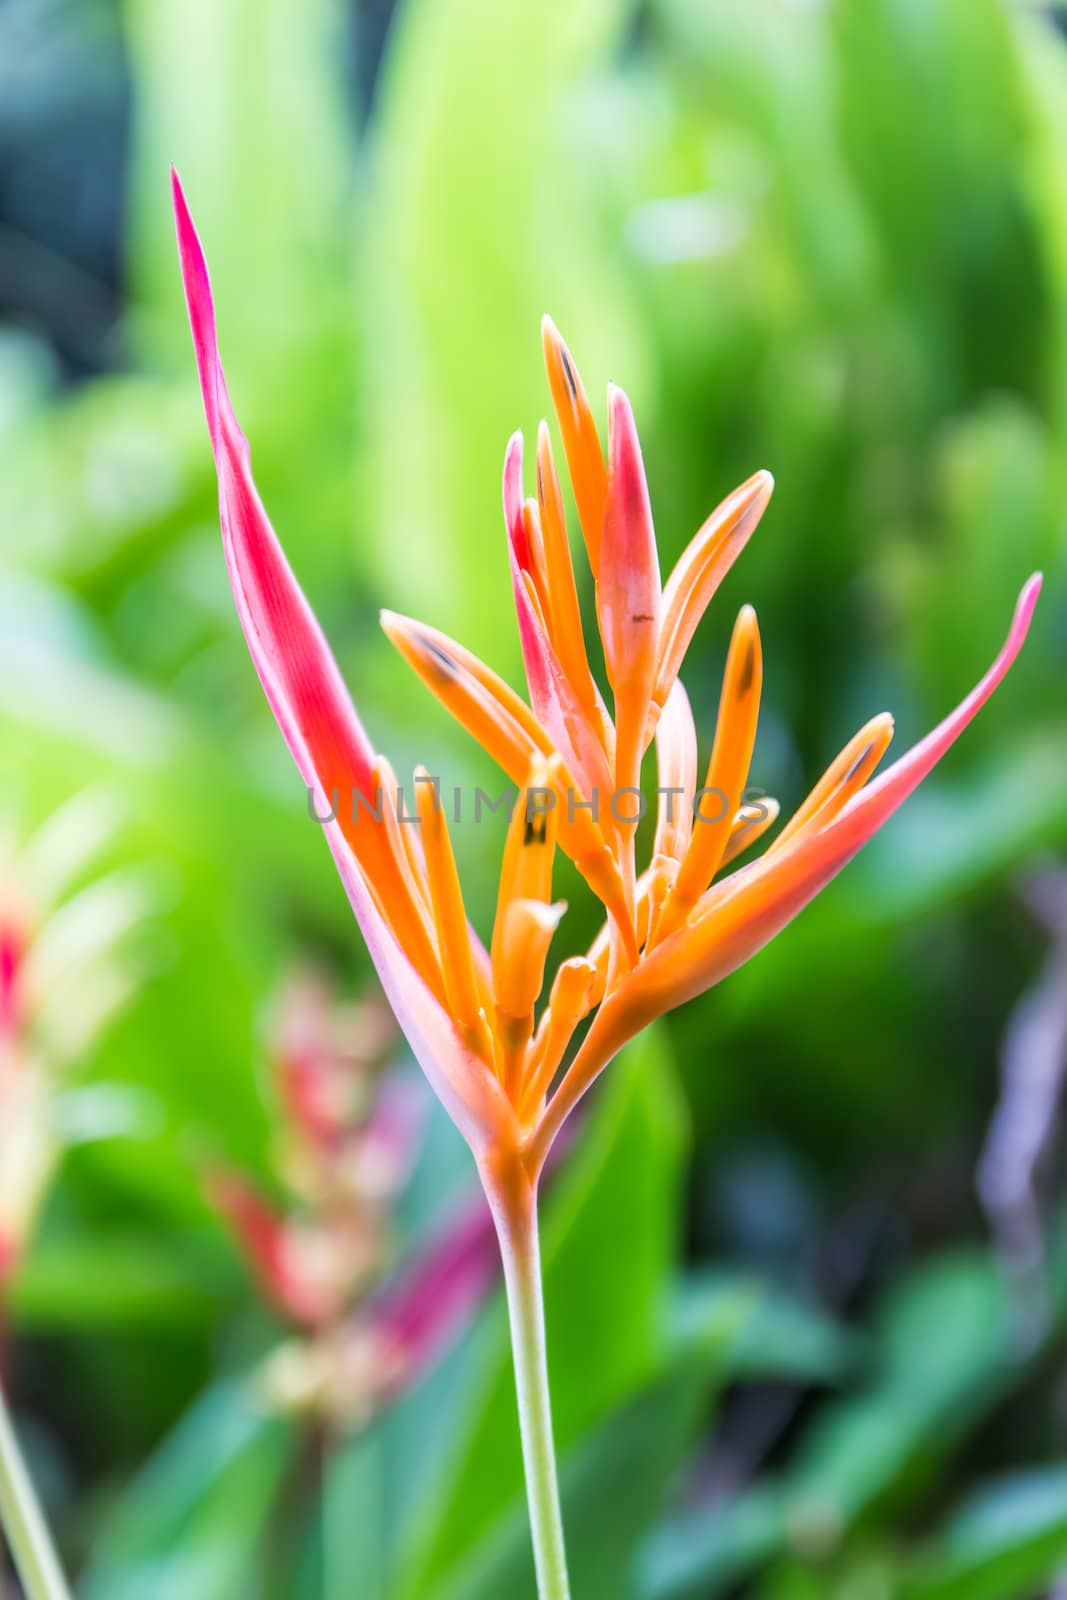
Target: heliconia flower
(323, 1253)
(325, 1057)
(365, 1361)
(289, 1279)
(506, 1064)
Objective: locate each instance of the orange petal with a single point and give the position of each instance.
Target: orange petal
(731, 757)
(519, 954)
(450, 917)
(700, 570)
(660, 881)
(582, 840)
(843, 778)
(750, 824)
(525, 921)
(530, 847)
(505, 727)
(585, 459)
(480, 701)
(400, 882)
(676, 775)
(570, 1000)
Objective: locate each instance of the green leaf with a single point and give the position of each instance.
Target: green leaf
(353, 1522)
(704, 1552)
(701, 1552)
(942, 1357)
(777, 1337)
(89, 1281)
(945, 1356)
(480, 220)
(1007, 1542)
(794, 1581)
(225, 94)
(612, 1484)
(201, 1517)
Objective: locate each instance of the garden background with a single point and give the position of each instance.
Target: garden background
(807, 1262)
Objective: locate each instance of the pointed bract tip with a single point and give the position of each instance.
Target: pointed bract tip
(1024, 611)
(618, 400)
(182, 215)
(397, 627)
(753, 494)
(1030, 591)
(546, 917)
(196, 283)
(879, 731)
(622, 425)
(513, 480)
(556, 353)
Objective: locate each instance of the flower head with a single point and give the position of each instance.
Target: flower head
(324, 1257)
(509, 1065)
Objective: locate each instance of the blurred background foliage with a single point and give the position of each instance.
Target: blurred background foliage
(807, 1265)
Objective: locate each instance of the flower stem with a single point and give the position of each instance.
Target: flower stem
(517, 1230)
(23, 1522)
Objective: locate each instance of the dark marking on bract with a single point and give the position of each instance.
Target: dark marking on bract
(440, 659)
(642, 616)
(572, 382)
(536, 829)
(748, 671)
(857, 764)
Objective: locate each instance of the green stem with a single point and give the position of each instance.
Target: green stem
(517, 1230)
(24, 1524)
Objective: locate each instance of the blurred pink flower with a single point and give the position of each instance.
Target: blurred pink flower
(324, 1257)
